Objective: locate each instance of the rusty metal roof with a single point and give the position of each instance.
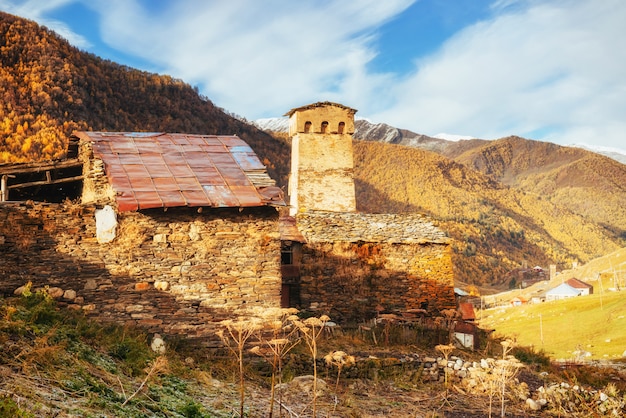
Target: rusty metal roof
(289, 229)
(467, 311)
(151, 170)
(578, 284)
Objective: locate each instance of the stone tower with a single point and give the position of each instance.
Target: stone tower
(322, 166)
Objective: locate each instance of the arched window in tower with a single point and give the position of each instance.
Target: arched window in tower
(341, 127)
(307, 126)
(324, 127)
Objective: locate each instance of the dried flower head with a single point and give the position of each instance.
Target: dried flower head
(445, 349)
(276, 325)
(313, 321)
(339, 358)
(278, 341)
(507, 343)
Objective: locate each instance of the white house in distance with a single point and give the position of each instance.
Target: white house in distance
(569, 289)
(585, 288)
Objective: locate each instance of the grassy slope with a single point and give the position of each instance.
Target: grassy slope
(595, 323)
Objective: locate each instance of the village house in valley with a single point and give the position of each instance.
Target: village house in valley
(175, 232)
(570, 288)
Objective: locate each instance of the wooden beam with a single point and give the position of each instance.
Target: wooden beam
(44, 182)
(39, 166)
(4, 192)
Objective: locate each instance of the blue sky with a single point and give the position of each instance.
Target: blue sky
(551, 70)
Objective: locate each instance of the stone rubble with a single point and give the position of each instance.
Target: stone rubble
(487, 374)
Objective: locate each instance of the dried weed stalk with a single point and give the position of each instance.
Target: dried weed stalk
(311, 329)
(157, 366)
(339, 359)
(502, 373)
(445, 350)
(235, 335)
(275, 345)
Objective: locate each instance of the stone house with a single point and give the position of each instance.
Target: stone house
(173, 233)
(176, 232)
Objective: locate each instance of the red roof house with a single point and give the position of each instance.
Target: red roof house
(585, 288)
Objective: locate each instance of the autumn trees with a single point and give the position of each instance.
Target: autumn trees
(49, 88)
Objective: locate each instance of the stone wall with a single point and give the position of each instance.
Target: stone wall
(352, 282)
(355, 265)
(175, 272)
(322, 173)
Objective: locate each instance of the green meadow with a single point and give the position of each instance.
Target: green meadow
(589, 327)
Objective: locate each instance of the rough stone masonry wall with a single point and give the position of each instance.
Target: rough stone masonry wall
(350, 281)
(322, 173)
(174, 272)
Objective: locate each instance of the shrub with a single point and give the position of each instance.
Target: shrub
(529, 356)
(9, 408)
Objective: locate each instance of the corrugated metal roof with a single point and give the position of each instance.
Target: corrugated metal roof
(467, 311)
(289, 229)
(578, 284)
(151, 170)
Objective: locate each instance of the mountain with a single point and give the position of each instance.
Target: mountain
(504, 202)
(495, 227)
(368, 131)
(588, 184)
(444, 144)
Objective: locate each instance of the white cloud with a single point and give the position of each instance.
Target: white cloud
(557, 66)
(258, 58)
(36, 10)
(546, 70)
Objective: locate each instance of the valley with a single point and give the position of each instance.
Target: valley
(503, 204)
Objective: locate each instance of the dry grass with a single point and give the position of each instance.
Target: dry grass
(57, 364)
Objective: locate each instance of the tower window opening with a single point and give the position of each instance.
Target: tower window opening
(341, 127)
(307, 126)
(324, 127)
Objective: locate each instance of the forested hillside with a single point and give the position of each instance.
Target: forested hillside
(505, 202)
(496, 227)
(49, 89)
(589, 184)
